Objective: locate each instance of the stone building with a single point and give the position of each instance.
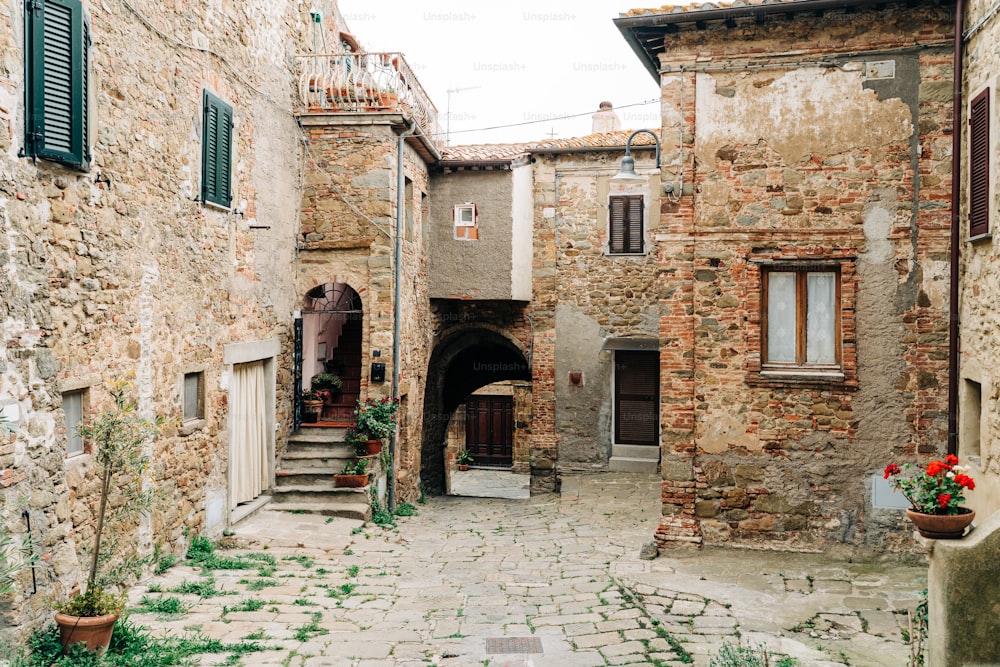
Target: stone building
(187, 191)
(803, 258)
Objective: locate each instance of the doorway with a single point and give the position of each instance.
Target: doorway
(489, 430)
(637, 404)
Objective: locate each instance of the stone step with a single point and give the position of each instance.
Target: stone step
(641, 452)
(319, 451)
(319, 495)
(318, 435)
(347, 510)
(627, 464)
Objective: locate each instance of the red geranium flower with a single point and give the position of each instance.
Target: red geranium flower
(935, 468)
(966, 481)
(890, 470)
(944, 499)
(951, 460)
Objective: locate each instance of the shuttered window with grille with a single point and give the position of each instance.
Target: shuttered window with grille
(216, 151)
(57, 67)
(625, 228)
(979, 164)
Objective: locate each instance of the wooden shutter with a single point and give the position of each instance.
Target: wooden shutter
(216, 152)
(625, 224)
(979, 164)
(637, 383)
(56, 73)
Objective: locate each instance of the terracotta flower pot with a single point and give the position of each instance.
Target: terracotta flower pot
(371, 447)
(342, 481)
(94, 631)
(942, 526)
(463, 466)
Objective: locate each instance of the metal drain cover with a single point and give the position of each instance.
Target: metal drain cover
(513, 645)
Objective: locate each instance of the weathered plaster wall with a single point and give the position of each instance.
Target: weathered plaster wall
(979, 317)
(131, 276)
(797, 162)
(472, 269)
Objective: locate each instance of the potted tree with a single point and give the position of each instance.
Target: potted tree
(117, 437)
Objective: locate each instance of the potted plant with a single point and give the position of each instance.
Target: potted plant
(463, 459)
(312, 403)
(364, 444)
(326, 384)
(353, 476)
(376, 416)
(935, 494)
(117, 436)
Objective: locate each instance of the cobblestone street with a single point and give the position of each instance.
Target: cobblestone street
(552, 581)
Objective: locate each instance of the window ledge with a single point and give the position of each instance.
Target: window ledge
(627, 254)
(217, 207)
(803, 378)
(191, 426)
(827, 376)
(974, 240)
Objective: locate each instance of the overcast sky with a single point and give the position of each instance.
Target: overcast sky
(512, 62)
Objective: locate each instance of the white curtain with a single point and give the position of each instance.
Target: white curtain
(821, 318)
(781, 316)
(249, 462)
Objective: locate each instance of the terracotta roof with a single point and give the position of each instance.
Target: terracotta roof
(702, 6)
(506, 152)
(599, 140)
(483, 152)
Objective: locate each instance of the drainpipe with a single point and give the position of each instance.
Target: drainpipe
(396, 306)
(956, 192)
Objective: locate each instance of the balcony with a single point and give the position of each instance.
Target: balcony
(365, 82)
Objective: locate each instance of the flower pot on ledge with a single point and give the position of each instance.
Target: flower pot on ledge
(942, 526)
(344, 481)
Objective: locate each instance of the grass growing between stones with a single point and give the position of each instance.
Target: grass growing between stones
(202, 553)
(164, 606)
(132, 646)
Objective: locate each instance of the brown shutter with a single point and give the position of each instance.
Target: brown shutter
(637, 378)
(616, 239)
(979, 164)
(634, 224)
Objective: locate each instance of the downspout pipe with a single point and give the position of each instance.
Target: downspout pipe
(397, 257)
(956, 193)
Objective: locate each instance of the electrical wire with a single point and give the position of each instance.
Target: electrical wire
(544, 120)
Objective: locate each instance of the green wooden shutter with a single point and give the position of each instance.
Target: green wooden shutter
(56, 76)
(216, 151)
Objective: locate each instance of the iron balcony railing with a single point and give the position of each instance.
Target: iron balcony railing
(358, 82)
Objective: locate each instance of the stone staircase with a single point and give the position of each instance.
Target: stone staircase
(304, 476)
(634, 458)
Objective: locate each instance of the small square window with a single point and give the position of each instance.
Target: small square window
(466, 219)
(73, 405)
(194, 396)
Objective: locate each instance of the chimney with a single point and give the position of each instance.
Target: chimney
(605, 120)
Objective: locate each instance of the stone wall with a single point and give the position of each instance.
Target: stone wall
(118, 271)
(979, 383)
(347, 232)
(786, 459)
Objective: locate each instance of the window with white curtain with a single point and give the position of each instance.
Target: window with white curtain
(801, 318)
(74, 404)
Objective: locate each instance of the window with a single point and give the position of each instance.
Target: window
(73, 405)
(979, 164)
(801, 328)
(57, 43)
(194, 402)
(970, 412)
(216, 151)
(466, 219)
(625, 228)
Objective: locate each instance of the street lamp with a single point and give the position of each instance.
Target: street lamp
(627, 172)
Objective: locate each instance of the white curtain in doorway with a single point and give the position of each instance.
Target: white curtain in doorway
(248, 462)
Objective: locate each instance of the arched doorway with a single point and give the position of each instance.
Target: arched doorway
(461, 363)
(328, 342)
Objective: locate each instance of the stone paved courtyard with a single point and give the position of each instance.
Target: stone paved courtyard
(550, 581)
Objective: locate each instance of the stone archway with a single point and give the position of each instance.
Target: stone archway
(462, 362)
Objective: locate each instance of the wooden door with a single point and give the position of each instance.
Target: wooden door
(637, 398)
(489, 430)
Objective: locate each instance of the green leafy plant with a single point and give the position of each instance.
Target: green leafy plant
(376, 416)
(937, 489)
(464, 457)
(356, 467)
(326, 382)
(118, 436)
(742, 656)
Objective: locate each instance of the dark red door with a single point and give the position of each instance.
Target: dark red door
(489, 430)
(637, 405)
